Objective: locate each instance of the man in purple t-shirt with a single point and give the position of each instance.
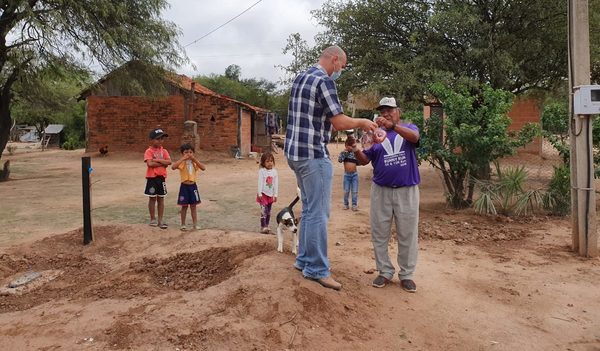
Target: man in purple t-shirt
(394, 194)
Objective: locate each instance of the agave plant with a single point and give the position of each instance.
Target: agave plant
(506, 194)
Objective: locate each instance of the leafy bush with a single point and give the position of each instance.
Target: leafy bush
(72, 143)
(555, 127)
(473, 133)
(555, 119)
(558, 198)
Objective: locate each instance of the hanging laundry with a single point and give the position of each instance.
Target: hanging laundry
(271, 123)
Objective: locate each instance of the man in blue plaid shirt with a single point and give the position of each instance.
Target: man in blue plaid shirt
(313, 109)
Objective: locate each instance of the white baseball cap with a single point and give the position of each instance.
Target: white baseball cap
(387, 102)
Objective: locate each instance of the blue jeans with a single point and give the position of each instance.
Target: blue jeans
(351, 183)
(314, 178)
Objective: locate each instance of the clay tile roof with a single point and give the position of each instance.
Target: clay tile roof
(185, 83)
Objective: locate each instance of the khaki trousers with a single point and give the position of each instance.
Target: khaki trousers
(401, 204)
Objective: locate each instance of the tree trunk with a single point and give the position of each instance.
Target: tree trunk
(471, 190)
(5, 121)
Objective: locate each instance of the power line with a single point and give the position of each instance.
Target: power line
(241, 55)
(223, 25)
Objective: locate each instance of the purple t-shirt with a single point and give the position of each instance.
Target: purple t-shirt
(395, 161)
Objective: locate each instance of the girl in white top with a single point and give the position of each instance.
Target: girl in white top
(268, 186)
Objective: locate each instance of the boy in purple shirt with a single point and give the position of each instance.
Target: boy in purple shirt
(394, 194)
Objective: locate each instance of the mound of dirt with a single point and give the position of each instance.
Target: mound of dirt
(86, 274)
(198, 270)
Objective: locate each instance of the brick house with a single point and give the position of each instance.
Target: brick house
(524, 110)
(123, 122)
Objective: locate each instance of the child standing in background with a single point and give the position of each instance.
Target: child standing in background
(268, 186)
(157, 159)
(350, 173)
(188, 167)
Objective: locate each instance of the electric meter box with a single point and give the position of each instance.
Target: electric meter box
(586, 100)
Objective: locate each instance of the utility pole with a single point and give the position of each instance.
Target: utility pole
(583, 197)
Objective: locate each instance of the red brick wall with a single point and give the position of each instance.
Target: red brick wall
(217, 123)
(525, 110)
(123, 122)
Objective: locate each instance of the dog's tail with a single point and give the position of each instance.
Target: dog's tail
(294, 202)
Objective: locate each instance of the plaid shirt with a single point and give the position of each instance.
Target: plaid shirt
(313, 101)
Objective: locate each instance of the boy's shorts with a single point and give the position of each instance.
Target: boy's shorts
(188, 195)
(156, 187)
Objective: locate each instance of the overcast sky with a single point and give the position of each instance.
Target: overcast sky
(254, 41)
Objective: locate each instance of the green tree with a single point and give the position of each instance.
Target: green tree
(257, 92)
(233, 72)
(399, 48)
(473, 134)
(383, 41)
(50, 97)
(303, 57)
(40, 35)
(512, 45)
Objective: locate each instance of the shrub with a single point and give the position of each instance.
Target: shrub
(72, 143)
(506, 195)
(558, 198)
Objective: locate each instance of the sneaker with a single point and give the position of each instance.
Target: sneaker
(408, 285)
(354, 208)
(265, 230)
(196, 227)
(346, 207)
(153, 223)
(380, 281)
(183, 228)
(327, 282)
(163, 226)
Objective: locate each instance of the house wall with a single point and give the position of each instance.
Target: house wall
(123, 122)
(523, 111)
(217, 123)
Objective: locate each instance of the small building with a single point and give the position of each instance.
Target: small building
(52, 136)
(215, 122)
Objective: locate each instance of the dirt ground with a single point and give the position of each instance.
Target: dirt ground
(484, 283)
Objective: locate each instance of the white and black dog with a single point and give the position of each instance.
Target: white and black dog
(287, 220)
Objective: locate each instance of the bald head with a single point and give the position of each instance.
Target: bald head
(331, 51)
(333, 59)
